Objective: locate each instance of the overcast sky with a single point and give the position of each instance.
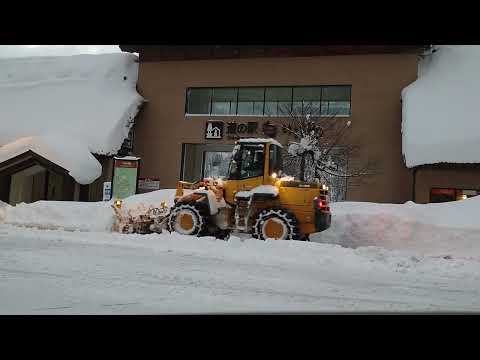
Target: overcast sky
(8, 51)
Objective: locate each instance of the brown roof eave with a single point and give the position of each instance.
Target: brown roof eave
(198, 52)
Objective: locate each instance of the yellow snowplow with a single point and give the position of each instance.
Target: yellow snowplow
(254, 198)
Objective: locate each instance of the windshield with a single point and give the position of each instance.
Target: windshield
(247, 161)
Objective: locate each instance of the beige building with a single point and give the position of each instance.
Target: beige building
(200, 99)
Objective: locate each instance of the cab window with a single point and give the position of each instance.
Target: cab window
(247, 161)
(275, 160)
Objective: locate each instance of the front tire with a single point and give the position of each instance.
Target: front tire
(276, 224)
(188, 219)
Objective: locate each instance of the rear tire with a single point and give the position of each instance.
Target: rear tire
(276, 224)
(189, 219)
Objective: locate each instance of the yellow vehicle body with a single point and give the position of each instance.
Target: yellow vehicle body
(296, 197)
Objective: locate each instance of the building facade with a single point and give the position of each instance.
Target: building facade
(445, 182)
(199, 100)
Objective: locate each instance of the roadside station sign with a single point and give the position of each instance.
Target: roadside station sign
(125, 176)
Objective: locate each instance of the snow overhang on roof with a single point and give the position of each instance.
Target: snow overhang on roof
(439, 109)
(66, 108)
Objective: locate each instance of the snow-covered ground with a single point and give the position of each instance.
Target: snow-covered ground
(56, 272)
(394, 258)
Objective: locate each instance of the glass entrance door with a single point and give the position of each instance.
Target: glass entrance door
(205, 160)
(215, 163)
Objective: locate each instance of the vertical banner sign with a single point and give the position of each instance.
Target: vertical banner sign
(107, 190)
(125, 177)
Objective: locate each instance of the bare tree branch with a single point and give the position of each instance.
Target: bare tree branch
(319, 148)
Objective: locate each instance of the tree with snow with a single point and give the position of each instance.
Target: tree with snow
(321, 150)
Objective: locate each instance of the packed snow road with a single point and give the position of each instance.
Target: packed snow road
(62, 272)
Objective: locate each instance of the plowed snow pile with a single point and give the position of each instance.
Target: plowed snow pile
(76, 216)
(447, 229)
(434, 229)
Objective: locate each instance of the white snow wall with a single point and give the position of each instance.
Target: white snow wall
(67, 107)
(440, 108)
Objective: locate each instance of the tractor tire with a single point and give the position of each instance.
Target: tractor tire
(189, 219)
(276, 224)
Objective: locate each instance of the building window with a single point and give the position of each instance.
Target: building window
(224, 101)
(278, 101)
(335, 100)
(251, 101)
(307, 100)
(199, 101)
(332, 100)
(438, 195)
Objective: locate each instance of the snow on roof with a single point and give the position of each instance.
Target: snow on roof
(261, 189)
(440, 108)
(69, 153)
(126, 158)
(259, 140)
(66, 108)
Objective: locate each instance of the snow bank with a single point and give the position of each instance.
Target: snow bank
(434, 229)
(447, 229)
(68, 215)
(3, 209)
(76, 216)
(67, 108)
(152, 198)
(440, 108)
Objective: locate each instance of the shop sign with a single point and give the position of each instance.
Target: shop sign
(234, 128)
(148, 184)
(214, 130)
(125, 177)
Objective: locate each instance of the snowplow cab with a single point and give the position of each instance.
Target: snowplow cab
(256, 170)
(256, 197)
